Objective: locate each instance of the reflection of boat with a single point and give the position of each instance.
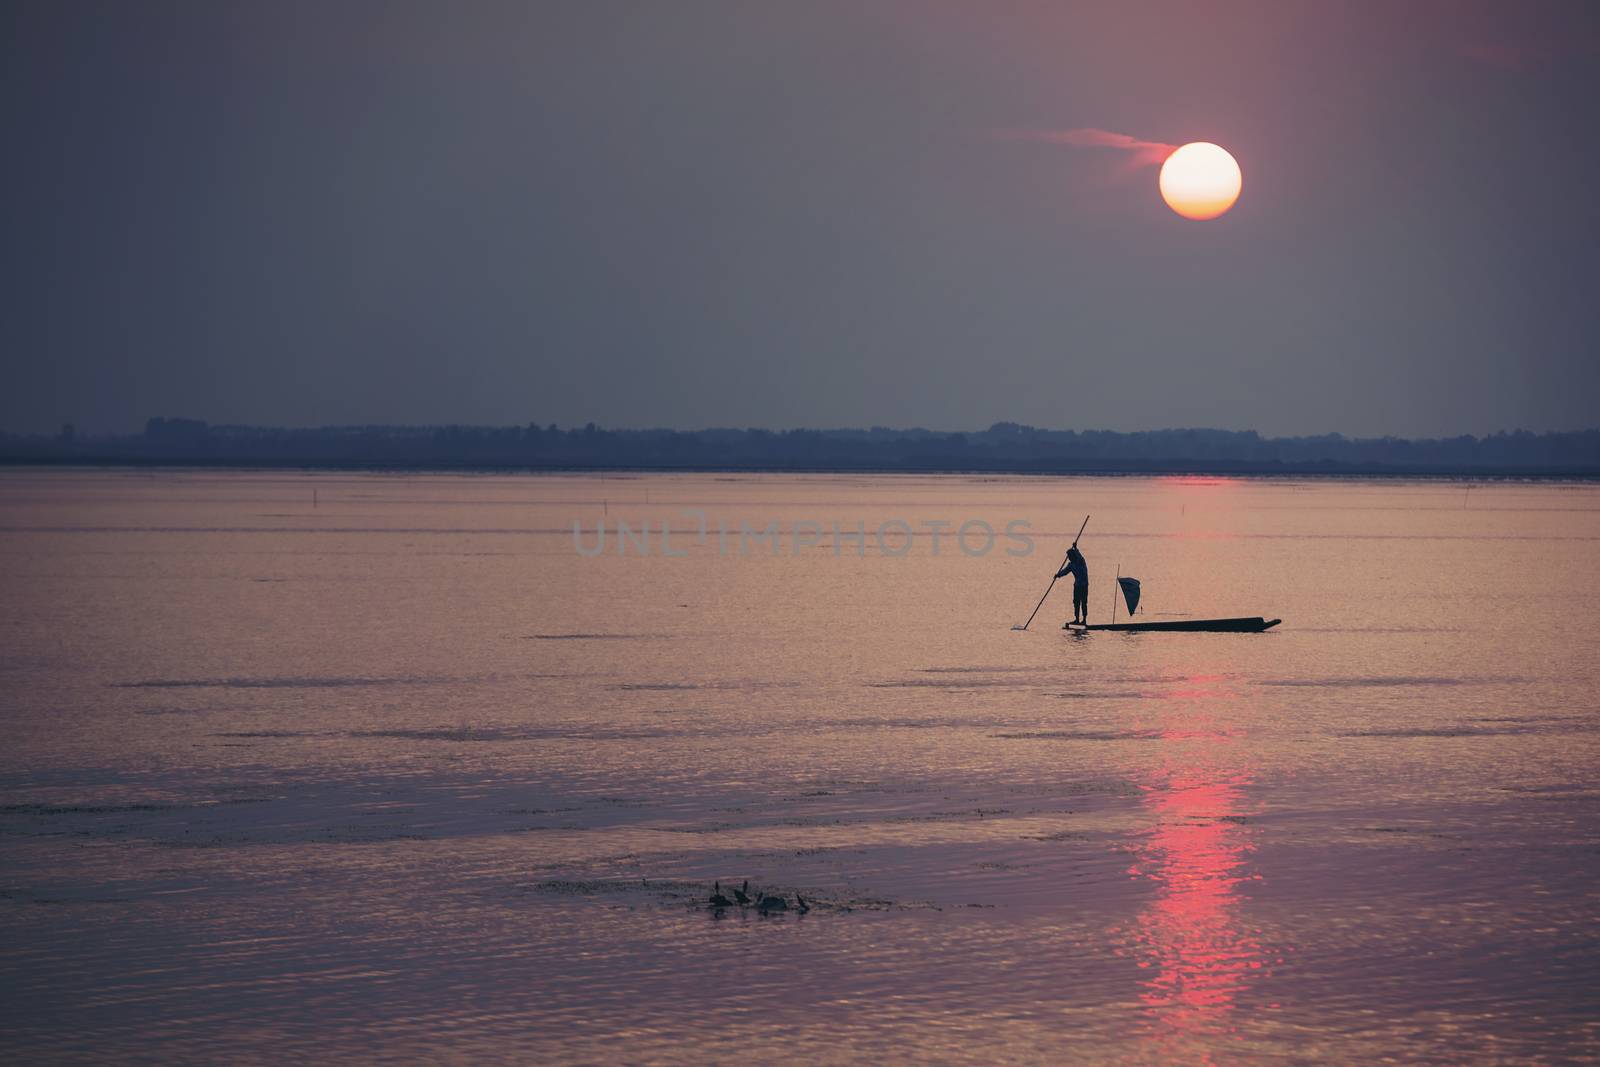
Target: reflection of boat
(1253, 625)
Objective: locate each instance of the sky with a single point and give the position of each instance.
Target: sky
(814, 213)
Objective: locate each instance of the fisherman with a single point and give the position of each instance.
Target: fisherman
(1080, 584)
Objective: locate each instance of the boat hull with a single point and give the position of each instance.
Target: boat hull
(1253, 625)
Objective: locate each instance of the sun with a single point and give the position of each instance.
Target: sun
(1200, 180)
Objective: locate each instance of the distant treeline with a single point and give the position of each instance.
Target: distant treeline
(1005, 446)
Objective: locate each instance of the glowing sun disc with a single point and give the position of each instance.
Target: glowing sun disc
(1200, 180)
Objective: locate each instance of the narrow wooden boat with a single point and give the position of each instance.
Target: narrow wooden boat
(1253, 625)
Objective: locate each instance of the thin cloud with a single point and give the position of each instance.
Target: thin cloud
(1142, 151)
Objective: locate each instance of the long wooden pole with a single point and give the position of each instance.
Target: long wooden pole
(1052, 584)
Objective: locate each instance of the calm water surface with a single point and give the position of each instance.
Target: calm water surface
(381, 768)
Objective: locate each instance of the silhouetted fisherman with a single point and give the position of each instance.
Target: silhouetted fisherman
(1079, 569)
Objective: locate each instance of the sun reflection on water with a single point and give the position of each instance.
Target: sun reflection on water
(1193, 943)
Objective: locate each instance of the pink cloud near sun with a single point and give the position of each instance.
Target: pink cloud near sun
(1142, 152)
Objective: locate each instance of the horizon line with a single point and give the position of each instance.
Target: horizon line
(1004, 425)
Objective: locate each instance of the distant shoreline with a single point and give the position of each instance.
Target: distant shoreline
(1005, 448)
(1045, 470)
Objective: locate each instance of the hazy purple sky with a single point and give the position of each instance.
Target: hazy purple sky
(751, 213)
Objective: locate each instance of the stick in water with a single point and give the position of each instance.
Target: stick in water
(1052, 584)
